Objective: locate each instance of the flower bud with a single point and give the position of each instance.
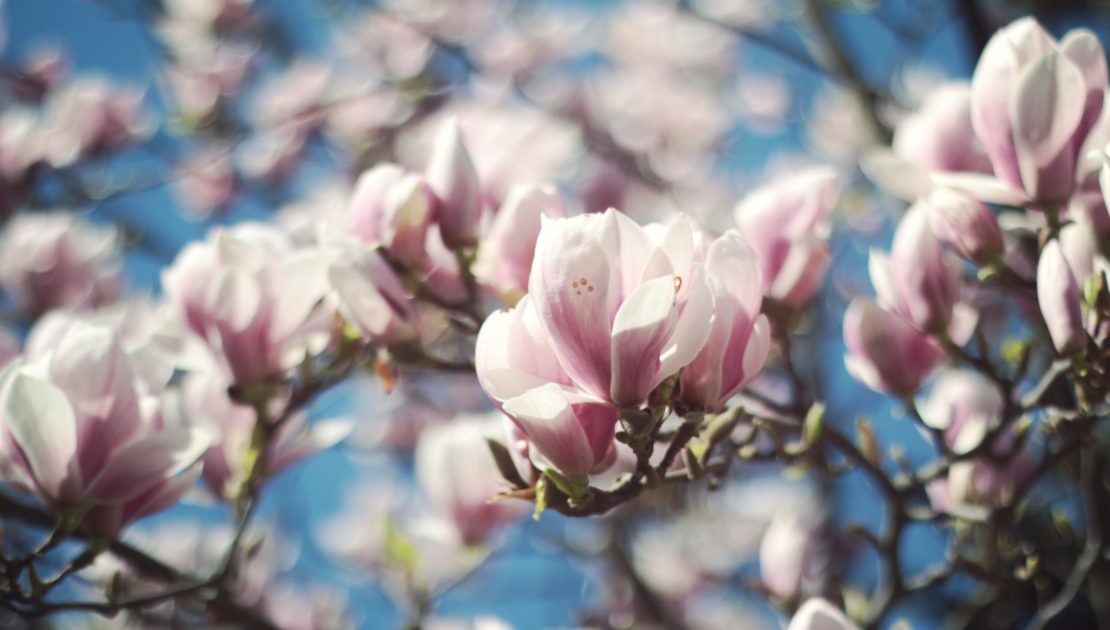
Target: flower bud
(1058, 296)
(393, 208)
(884, 352)
(505, 258)
(965, 225)
(919, 281)
(786, 222)
(453, 178)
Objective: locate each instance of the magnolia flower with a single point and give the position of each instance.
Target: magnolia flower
(1058, 295)
(78, 432)
(962, 403)
(786, 222)
(1033, 102)
(461, 479)
(452, 176)
(792, 556)
(92, 114)
(369, 295)
(393, 208)
(819, 614)
(250, 296)
(53, 259)
(884, 352)
(505, 259)
(622, 310)
(740, 338)
(965, 225)
(919, 280)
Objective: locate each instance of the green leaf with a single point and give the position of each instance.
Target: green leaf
(541, 498)
(399, 550)
(815, 419)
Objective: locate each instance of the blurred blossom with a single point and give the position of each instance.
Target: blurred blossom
(294, 98)
(250, 296)
(322, 207)
(460, 478)
(401, 546)
(384, 44)
(787, 223)
(742, 13)
(1034, 101)
(454, 181)
(1058, 294)
(54, 259)
(939, 136)
(884, 352)
(962, 403)
(78, 431)
(91, 114)
(361, 111)
(508, 247)
(763, 102)
(452, 20)
(670, 120)
(205, 183)
(819, 614)
(660, 36)
(394, 209)
(794, 556)
(270, 155)
(918, 280)
(965, 225)
(203, 402)
(210, 15)
(837, 128)
(502, 142)
(204, 77)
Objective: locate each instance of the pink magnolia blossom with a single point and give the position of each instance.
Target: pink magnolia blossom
(884, 352)
(505, 259)
(394, 208)
(250, 296)
(939, 136)
(819, 614)
(792, 556)
(965, 225)
(1058, 295)
(787, 223)
(1033, 102)
(461, 479)
(54, 259)
(78, 432)
(453, 178)
(962, 402)
(740, 338)
(518, 369)
(919, 280)
(92, 114)
(370, 296)
(622, 310)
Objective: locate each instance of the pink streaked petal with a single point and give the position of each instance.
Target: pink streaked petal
(148, 461)
(641, 330)
(41, 422)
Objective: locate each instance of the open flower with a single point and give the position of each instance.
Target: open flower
(78, 432)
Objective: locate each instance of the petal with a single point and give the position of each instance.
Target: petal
(233, 297)
(546, 416)
(691, 333)
(304, 282)
(983, 188)
(641, 330)
(1047, 107)
(882, 278)
(148, 461)
(570, 286)
(41, 422)
(901, 178)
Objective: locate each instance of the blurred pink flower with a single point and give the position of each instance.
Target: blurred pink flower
(77, 432)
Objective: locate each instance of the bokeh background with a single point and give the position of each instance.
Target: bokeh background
(651, 106)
